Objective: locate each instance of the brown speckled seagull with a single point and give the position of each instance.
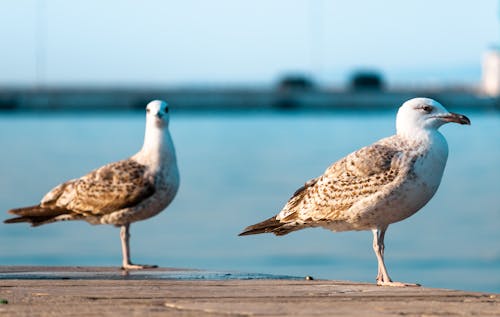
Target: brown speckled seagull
(375, 186)
(118, 193)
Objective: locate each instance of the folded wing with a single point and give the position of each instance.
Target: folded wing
(110, 188)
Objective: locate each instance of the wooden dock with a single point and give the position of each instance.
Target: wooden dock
(91, 291)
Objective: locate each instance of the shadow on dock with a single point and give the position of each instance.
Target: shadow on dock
(110, 273)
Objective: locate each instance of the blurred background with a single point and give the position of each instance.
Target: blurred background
(264, 96)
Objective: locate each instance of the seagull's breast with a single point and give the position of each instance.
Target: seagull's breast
(166, 187)
(421, 169)
(428, 170)
(422, 182)
(168, 183)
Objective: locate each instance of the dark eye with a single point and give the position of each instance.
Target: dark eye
(166, 110)
(427, 109)
(147, 110)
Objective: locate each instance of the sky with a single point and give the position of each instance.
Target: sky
(233, 42)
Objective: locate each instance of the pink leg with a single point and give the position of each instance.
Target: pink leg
(126, 263)
(383, 278)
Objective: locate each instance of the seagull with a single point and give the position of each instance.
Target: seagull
(118, 193)
(376, 186)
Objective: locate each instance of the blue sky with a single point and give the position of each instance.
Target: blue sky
(230, 42)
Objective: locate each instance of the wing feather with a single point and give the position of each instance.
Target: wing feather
(347, 181)
(112, 187)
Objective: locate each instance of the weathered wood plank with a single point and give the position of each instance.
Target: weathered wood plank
(60, 295)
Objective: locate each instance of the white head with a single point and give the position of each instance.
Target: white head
(419, 114)
(157, 113)
(157, 141)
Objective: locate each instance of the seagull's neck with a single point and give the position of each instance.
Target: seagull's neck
(158, 148)
(417, 134)
(429, 140)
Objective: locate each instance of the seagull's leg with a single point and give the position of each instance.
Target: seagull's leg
(380, 246)
(383, 278)
(126, 263)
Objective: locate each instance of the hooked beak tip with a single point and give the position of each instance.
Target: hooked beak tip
(457, 118)
(463, 119)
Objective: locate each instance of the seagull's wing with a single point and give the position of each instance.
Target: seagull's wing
(112, 187)
(347, 181)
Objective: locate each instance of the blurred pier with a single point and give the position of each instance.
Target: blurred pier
(234, 99)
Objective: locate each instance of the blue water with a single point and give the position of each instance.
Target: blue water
(241, 168)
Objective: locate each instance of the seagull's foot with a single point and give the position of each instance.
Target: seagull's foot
(130, 266)
(396, 284)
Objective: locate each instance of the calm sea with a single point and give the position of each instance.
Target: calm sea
(239, 169)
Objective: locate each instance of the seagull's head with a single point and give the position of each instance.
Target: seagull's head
(157, 112)
(425, 114)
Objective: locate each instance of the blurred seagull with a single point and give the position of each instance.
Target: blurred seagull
(118, 193)
(375, 186)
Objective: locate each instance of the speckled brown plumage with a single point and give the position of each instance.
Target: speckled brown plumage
(103, 191)
(376, 186)
(364, 173)
(118, 193)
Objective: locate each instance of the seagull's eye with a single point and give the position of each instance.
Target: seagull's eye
(148, 110)
(427, 109)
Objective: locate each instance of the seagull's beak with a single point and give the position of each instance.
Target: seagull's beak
(455, 117)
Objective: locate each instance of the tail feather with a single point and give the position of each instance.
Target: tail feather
(34, 221)
(35, 210)
(16, 220)
(35, 215)
(267, 226)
